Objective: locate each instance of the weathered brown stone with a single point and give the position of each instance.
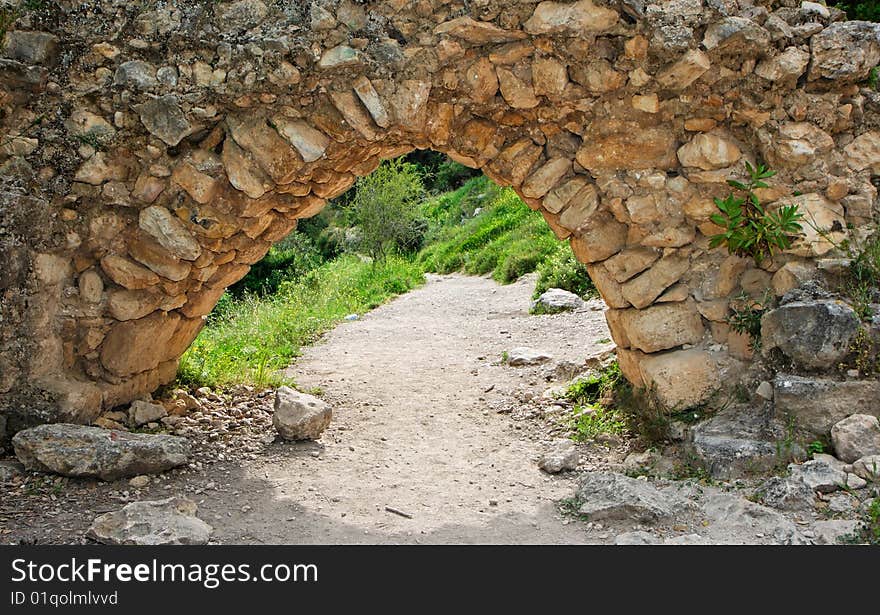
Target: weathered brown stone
(608, 288)
(127, 273)
(274, 154)
(168, 230)
(580, 208)
(601, 237)
(709, 151)
(364, 89)
(539, 182)
(138, 345)
(663, 326)
(200, 186)
(515, 91)
(482, 80)
(149, 252)
(557, 199)
(477, 32)
(133, 304)
(646, 287)
(243, 173)
(570, 18)
(632, 261)
(629, 147)
(309, 142)
(681, 379)
(693, 65)
(549, 76)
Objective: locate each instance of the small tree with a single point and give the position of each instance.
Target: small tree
(385, 207)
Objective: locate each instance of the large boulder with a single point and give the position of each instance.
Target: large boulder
(92, 452)
(819, 475)
(737, 441)
(171, 521)
(856, 436)
(816, 404)
(814, 334)
(299, 416)
(786, 493)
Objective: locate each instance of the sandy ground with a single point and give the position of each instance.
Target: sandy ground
(415, 429)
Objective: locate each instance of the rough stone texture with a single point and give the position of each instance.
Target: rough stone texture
(815, 334)
(786, 493)
(299, 416)
(867, 468)
(855, 437)
(737, 442)
(816, 404)
(143, 412)
(78, 450)
(563, 455)
(834, 531)
(819, 475)
(171, 521)
(176, 137)
(609, 496)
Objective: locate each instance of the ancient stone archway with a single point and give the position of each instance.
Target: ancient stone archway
(154, 152)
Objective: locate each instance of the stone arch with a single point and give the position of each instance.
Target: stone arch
(175, 145)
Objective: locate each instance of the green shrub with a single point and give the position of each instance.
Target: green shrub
(562, 270)
(505, 238)
(386, 210)
(594, 413)
(287, 260)
(750, 229)
(865, 11)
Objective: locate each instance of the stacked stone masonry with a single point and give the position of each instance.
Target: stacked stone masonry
(153, 151)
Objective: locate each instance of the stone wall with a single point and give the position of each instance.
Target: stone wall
(153, 151)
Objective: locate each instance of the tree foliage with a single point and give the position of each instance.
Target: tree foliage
(385, 209)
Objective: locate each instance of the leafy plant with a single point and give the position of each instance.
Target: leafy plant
(594, 412)
(868, 10)
(816, 447)
(562, 270)
(749, 228)
(745, 317)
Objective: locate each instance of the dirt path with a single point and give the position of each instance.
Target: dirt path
(415, 429)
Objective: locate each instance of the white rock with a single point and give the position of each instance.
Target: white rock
(299, 416)
(527, 356)
(160, 522)
(856, 436)
(562, 456)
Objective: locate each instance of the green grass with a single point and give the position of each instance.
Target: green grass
(506, 239)
(250, 339)
(594, 413)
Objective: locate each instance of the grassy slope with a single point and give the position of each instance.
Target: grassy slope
(506, 238)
